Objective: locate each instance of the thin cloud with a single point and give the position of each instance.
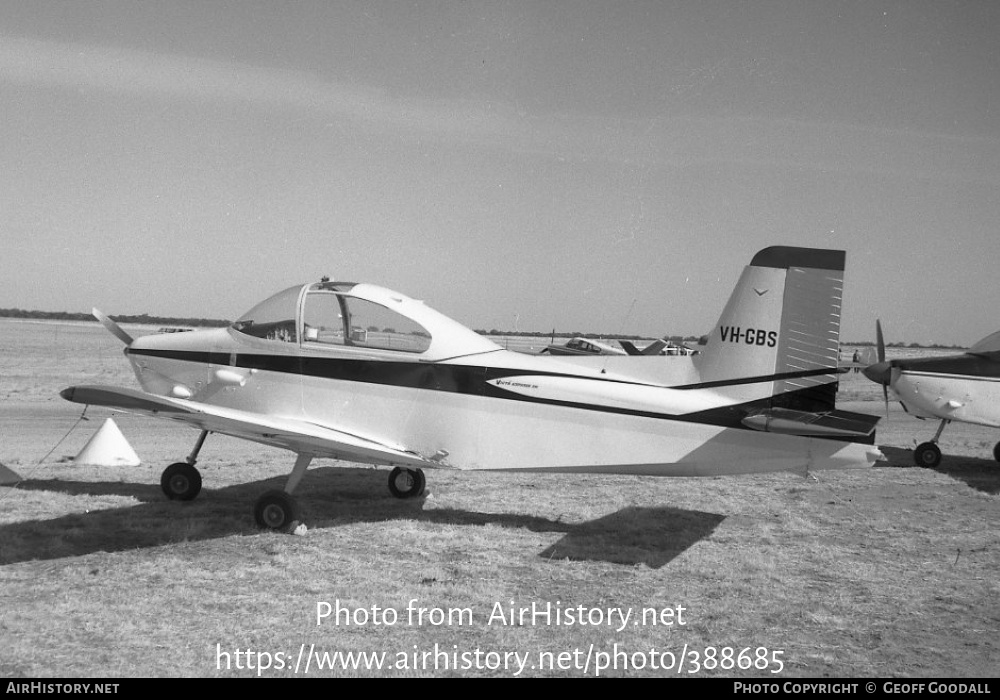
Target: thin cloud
(121, 71)
(672, 141)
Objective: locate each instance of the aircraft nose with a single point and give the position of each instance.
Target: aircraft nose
(880, 372)
(67, 393)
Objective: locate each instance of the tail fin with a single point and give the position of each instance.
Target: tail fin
(778, 337)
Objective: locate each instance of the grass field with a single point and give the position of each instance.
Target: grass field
(888, 572)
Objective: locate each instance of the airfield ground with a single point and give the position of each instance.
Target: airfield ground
(887, 572)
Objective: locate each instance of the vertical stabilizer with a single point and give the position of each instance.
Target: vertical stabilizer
(779, 334)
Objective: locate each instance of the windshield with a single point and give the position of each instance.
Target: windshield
(273, 318)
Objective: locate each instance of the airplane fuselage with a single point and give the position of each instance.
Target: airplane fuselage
(494, 410)
(963, 388)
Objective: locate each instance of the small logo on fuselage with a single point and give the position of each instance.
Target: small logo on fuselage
(514, 385)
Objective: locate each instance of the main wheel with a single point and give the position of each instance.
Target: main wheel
(996, 452)
(180, 482)
(927, 455)
(276, 510)
(407, 483)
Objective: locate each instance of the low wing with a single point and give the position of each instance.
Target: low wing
(288, 433)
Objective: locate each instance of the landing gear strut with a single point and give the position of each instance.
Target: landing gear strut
(928, 454)
(181, 481)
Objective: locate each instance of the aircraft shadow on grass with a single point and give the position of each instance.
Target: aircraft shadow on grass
(976, 472)
(336, 497)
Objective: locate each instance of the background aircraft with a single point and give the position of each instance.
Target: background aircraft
(362, 373)
(657, 347)
(962, 387)
(586, 346)
(582, 346)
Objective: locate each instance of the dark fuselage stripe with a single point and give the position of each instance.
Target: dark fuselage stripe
(473, 380)
(971, 366)
(422, 375)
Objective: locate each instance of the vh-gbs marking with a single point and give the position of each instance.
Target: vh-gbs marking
(750, 336)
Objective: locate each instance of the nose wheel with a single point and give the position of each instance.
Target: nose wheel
(407, 483)
(181, 481)
(927, 455)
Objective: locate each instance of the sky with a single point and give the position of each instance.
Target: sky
(603, 167)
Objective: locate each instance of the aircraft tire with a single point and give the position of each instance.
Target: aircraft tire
(996, 452)
(407, 483)
(277, 510)
(927, 454)
(180, 482)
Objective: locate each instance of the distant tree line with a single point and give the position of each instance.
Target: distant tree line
(125, 318)
(932, 346)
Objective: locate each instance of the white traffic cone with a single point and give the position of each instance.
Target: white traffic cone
(8, 477)
(108, 448)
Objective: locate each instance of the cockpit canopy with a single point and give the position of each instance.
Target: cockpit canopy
(363, 316)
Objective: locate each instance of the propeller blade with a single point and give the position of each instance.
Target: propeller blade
(881, 371)
(112, 327)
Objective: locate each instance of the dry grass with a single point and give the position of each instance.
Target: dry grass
(885, 572)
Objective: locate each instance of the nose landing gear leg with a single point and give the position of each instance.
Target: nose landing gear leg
(181, 481)
(928, 454)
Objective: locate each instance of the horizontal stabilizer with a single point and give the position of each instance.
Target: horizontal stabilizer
(833, 424)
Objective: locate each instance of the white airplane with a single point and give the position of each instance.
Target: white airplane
(657, 347)
(588, 346)
(361, 373)
(962, 387)
(583, 346)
